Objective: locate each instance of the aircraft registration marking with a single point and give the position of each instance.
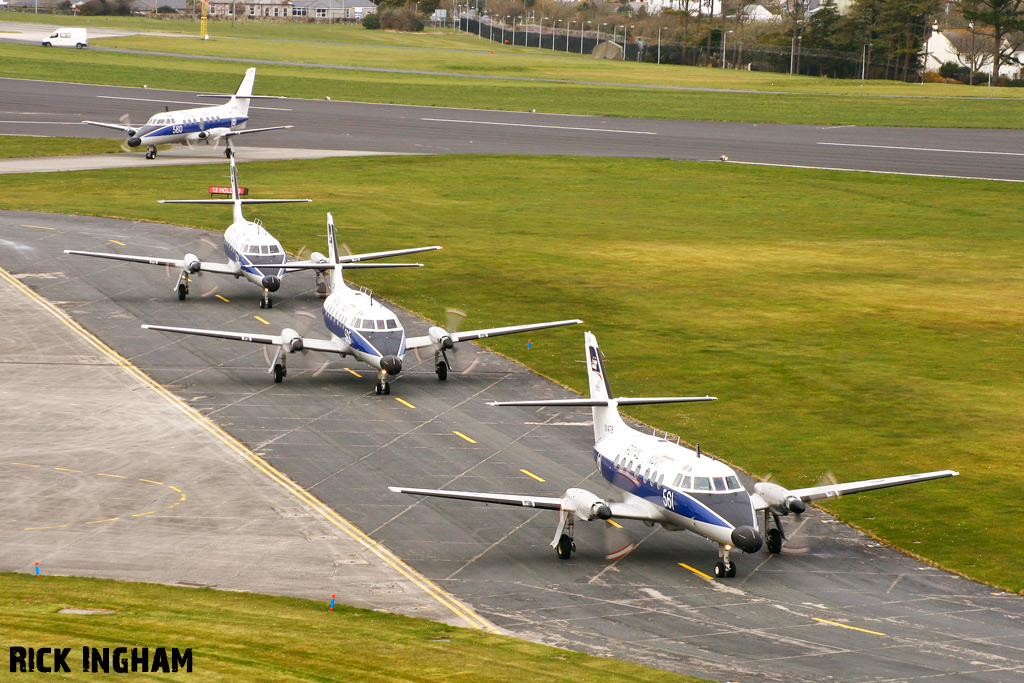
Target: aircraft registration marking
(463, 436)
(852, 628)
(531, 474)
(404, 402)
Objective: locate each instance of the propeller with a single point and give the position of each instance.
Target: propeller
(126, 120)
(172, 272)
(617, 543)
(306, 321)
(458, 362)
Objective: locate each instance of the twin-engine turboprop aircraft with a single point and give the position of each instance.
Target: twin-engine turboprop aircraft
(668, 484)
(201, 124)
(253, 253)
(360, 326)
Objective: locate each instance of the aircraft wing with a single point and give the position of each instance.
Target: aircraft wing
(309, 265)
(836, 490)
(542, 502)
(205, 266)
(115, 126)
(355, 258)
(325, 345)
(420, 342)
(231, 133)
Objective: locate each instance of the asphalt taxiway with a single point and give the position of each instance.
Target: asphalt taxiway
(42, 108)
(836, 606)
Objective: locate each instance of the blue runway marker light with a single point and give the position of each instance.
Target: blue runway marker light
(37, 569)
(332, 602)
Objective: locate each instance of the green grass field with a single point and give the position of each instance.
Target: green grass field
(249, 637)
(786, 99)
(18, 147)
(858, 324)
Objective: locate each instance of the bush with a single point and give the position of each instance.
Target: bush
(400, 20)
(371, 21)
(955, 71)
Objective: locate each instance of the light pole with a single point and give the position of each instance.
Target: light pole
(557, 21)
(567, 35)
(723, 47)
(625, 37)
(615, 32)
(504, 21)
(540, 31)
(583, 35)
(659, 45)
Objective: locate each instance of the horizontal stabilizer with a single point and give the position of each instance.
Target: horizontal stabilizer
(606, 402)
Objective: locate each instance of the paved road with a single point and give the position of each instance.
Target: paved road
(41, 108)
(836, 606)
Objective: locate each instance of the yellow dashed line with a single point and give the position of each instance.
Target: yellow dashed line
(350, 370)
(614, 523)
(174, 506)
(696, 571)
(143, 514)
(531, 474)
(174, 488)
(41, 227)
(183, 497)
(222, 298)
(852, 628)
(65, 469)
(261, 320)
(21, 464)
(404, 402)
(115, 476)
(463, 436)
(101, 521)
(121, 243)
(36, 528)
(150, 481)
(456, 606)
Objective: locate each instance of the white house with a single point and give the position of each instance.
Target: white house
(966, 48)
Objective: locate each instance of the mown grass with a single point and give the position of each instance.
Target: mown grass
(17, 146)
(860, 324)
(790, 100)
(249, 637)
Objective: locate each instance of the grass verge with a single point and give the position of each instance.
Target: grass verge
(861, 324)
(249, 637)
(19, 147)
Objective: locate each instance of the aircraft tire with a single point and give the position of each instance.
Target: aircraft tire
(378, 389)
(278, 373)
(442, 371)
(564, 547)
(730, 570)
(387, 389)
(720, 570)
(182, 292)
(774, 541)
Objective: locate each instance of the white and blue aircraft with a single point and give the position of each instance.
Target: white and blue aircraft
(360, 326)
(252, 252)
(668, 484)
(200, 124)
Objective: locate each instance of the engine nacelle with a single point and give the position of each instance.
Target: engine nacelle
(587, 506)
(440, 337)
(292, 340)
(191, 263)
(779, 499)
(317, 257)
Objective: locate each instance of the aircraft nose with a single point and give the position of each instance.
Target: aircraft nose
(391, 364)
(134, 141)
(747, 539)
(272, 283)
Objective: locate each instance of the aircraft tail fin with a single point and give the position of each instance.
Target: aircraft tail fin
(236, 198)
(332, 252)
(240, 100)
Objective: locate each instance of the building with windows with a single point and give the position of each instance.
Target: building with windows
(323, 10)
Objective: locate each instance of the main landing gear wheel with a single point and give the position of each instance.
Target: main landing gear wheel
(228, 153)
(267, 301)
(723, 570)
(151, 153)
(442, 371)
(565, 547)
(182, 291)
(774, 541)
(279, 373)
(383, 388)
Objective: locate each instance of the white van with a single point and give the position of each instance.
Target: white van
(67, 37)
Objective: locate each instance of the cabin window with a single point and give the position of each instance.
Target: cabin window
(686, 482)
(678, 479)
(733, 483)
(719, 483)
(702, 483)
(274, 249)
(392, 324)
